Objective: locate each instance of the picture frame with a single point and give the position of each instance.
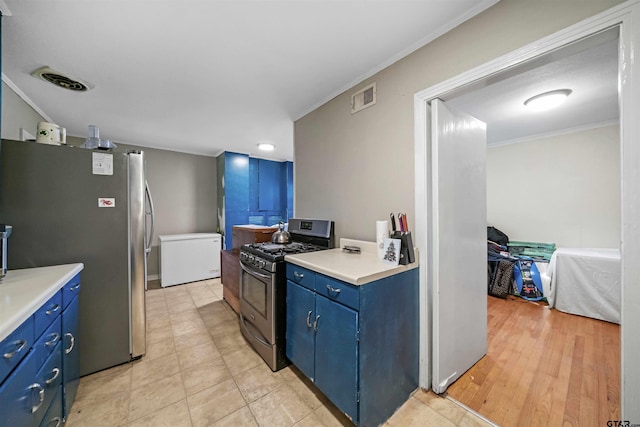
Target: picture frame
(391, 251)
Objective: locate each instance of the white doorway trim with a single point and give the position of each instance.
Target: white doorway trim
(627, 16)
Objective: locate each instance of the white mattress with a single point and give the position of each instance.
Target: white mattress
(585, 282)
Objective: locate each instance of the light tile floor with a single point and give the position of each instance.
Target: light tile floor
(199, 371)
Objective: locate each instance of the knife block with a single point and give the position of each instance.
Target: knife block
(407, 255)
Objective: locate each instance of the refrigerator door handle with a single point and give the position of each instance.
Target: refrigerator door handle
(151, 213)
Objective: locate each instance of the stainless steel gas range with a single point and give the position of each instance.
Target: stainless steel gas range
(263, 286)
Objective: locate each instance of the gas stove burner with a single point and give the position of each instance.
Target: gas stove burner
(290, 248)
(269, 247)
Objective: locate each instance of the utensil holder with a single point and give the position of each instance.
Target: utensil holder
(407, 256)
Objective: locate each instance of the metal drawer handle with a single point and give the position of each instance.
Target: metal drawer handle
(75, 287)
(54, 340)
(53, 310)
(56, 373)
(334, 290)
(21, 345)
(40, 396)
(315, 323)
(309, 319)
(58, 421)
(297, 275)
(73, 343)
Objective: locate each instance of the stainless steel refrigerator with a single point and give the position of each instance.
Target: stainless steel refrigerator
(70, 205)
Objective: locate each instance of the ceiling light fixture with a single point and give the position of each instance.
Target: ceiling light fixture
(547, 100)
(265, 146)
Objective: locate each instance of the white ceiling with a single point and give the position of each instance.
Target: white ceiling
(208, 76)
(588, 67)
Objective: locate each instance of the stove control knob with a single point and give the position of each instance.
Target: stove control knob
(262, 263)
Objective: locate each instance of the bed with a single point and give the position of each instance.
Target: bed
(585, 282)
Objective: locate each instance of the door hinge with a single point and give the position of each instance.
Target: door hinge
(358, 335)
(358, 396)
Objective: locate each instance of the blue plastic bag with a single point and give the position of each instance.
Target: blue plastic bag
(527, 278)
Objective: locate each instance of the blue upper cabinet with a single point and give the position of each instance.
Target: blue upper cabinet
(236, 176)
(270, 185)
(254, 188)
(289, 188)
(233, 192)
(252, 191)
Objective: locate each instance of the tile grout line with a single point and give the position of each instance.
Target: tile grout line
(224, 362)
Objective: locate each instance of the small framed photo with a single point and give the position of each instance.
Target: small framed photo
(391, 251)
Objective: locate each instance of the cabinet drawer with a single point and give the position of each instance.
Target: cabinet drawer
(18, 395)
(70, 290)
(47, 342)
(49, 378)
(15, 347)
(339, 291)
(53, 417)
(301, 276)
(45, 314)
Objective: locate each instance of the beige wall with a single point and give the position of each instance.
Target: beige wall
(563, 189)
(355, 169)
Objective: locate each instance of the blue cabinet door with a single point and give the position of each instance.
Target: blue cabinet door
(269, 183)
(71, 360)
(300, 335)
(20, 395)
(336, 367)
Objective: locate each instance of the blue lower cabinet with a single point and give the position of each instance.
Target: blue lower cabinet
(322, 341)
(48, 342)
(15, 347)
(49, 377)
(70, 355)
(337, 354)
(53, 416)
(19, 394)
(358, 344)
(300, 336)
(39, 373)
(70, 290)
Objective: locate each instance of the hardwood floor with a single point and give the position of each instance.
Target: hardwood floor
(544, 368)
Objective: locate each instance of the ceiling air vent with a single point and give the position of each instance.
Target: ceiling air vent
(59, 79)
(363, 98)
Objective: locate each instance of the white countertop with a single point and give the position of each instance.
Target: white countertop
(356, 269)
(22, 292)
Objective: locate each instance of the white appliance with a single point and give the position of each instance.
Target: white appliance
(189, 257)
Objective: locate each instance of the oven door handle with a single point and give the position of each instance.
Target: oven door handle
(255, 273)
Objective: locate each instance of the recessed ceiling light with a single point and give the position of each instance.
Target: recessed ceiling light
(547, 100)
(265, 146)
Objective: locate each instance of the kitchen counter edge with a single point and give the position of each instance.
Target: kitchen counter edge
(24, 291)
(356, 269)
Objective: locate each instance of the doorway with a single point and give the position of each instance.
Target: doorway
(630, 205)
